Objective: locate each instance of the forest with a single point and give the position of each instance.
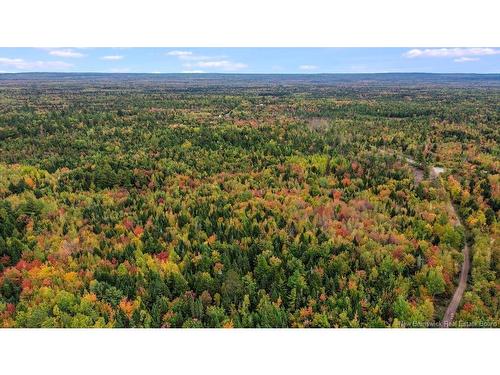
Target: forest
(191, 201)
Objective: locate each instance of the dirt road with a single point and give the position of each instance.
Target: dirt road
(435, 172)
(462, 283)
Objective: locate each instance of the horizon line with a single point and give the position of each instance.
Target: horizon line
(242, 73)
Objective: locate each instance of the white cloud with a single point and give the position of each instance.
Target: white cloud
(39, 65)
(466, 59)
(11, 62)
(65, 53)
(179, 53)
(112, 57)
(308, 67)
(221, 64)
(201, 58)
(192, 61)
(190, 56)
(450, 52)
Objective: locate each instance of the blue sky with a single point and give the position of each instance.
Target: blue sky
(250, 60)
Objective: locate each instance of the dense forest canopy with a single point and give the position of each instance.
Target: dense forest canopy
(247, 200)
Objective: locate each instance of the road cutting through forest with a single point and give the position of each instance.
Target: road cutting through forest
(451, 310)
(462, 283)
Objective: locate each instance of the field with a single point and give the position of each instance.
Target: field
(135, 200)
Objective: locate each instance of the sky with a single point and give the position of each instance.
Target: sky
(250, 60)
